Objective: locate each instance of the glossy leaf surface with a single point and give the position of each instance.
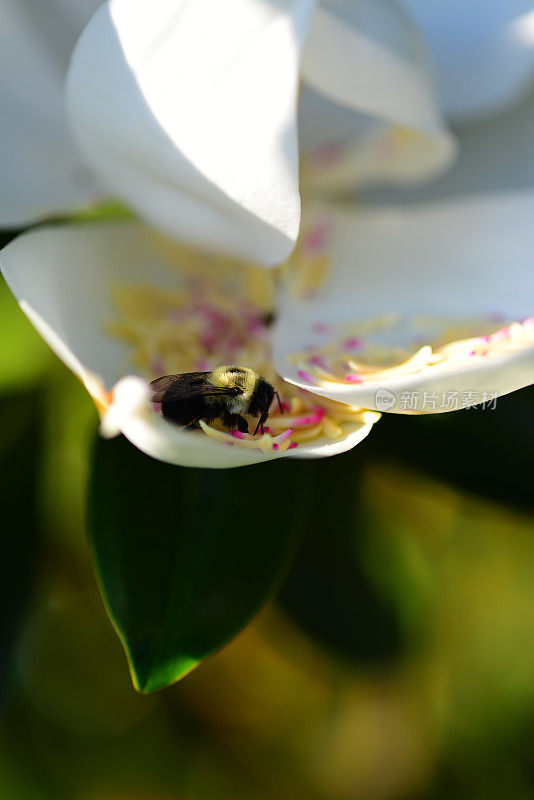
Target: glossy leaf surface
(186, 557)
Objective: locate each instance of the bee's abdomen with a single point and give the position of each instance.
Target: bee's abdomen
(187, 411)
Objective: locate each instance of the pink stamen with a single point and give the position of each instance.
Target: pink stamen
(255, 326)
(318, 361)
(310, 419)
(208, 341)
(317, 238)
(352, 343)
(305, 376)
(292, 446)
(157, 366)
(276, 446)
(285, 435)
(157, 407)
(327, 155)
(353, 378)
(499, 335)
(237, 434)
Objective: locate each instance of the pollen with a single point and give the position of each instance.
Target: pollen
(205, 321)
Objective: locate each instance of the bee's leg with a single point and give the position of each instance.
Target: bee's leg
(261, 422)
(235, 421)
(242, 424)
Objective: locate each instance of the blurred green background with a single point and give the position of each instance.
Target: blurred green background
(396, 663)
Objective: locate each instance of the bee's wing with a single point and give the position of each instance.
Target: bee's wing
(160, 386)
(187, 386)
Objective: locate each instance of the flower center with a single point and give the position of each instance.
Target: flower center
(204, 323)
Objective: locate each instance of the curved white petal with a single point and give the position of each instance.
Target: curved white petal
(166, 442)
(130, 414)
(483, 51)
(64, 278)
(40, 170)
(493, 156)
(187, 112)
(366, 56)
(456, 261)
(342, 149)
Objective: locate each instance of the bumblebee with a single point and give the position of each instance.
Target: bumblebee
(226, 393)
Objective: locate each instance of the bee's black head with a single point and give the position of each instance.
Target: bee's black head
(261, 399)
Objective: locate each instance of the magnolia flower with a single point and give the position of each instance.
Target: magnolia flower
(215, 165)
(121, 305)
(407, 309)
(114, 299)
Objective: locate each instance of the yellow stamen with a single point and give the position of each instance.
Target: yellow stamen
(376, 362)
(202, 324)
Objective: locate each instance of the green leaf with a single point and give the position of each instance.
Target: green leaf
(185, 557)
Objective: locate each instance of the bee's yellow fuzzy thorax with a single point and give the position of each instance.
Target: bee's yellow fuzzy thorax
(245, 378)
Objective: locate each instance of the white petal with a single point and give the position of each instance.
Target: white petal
(187, 112)
(483, 51)
(342, 149)
(166, 442)
(40, 170)
(367, 56)
(131, 415)
(458, 260)
(63, 278)
(353, 434)
(493, 156)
